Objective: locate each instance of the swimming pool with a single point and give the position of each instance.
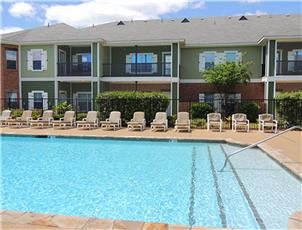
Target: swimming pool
(175, 182)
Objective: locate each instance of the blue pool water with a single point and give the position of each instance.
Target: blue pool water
(155, 181)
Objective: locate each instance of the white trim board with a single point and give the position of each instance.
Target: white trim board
(204, 81)
(139, 79)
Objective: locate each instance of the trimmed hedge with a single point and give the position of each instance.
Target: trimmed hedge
(129, 102)
(289, 107)
(251, 109)
(200, 110)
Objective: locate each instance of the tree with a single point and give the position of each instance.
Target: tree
(226, 76)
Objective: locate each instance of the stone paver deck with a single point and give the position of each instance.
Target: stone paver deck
(285, 149)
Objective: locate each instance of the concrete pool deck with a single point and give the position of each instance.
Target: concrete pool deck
(285, 149)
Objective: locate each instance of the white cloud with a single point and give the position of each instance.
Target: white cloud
(22, 9)
(197, 4)
(100, 11)
(6, 30)
(258, 12)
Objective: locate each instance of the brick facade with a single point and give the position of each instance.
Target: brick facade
(287, 87)
(191, 91)
(9, 78)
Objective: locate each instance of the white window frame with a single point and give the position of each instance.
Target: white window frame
(37, 50)
(163, 61)
(202, 60)
(44, 100)
(153, 70)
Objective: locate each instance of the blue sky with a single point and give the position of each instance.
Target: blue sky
(16, 15)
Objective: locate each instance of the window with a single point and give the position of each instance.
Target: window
(11, 99)
(209, 60)
(11, 59)
(295, 60)
(231, 56)
(37, 60)
(141, 63)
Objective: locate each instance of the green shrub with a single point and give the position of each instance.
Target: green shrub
(62, 108)
(129, 102)
(80, 116)
(251, 109)
(200, 110)
(36, 113)
(289, 107)
(199, 122)
(172, 120)
(16, 113)
(58, 116)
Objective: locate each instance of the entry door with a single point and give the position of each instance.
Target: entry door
(83, 101)
(167, 62)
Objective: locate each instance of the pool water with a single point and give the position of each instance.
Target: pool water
(153, 181)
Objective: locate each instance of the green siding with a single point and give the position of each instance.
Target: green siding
(94, 59)
(104, 86)
(174, 59)
(190, 60)
(46, 86)
(174, 97)
(272, 50)
(118, 56)
(50, 62)
(104, 57)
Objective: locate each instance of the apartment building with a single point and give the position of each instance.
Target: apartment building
(59, 62)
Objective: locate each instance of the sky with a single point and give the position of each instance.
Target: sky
(17, 14)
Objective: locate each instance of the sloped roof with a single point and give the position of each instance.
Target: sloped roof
(195, 31)
(53, 33)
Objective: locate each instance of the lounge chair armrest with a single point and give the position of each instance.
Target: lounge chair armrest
(107, 119)
(18, 118)
(29, 118)
(50, 119)
(62, 118)
(275, 121)
(96, 121)
(40, 119)
(84, 119)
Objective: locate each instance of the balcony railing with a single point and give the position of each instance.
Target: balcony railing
(289, 67)
(137, 69)
(74, 69)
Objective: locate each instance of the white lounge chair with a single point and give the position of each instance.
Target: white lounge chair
(267, 120)
(91, 121)
(22, 121)
(5, 116)
(183, 122)
(113, 122)
(44, 121)
(160, 122)
(138, 122)
(214, 120)
(240, 120)
(68, 121)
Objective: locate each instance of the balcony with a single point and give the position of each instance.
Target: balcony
(157, 69)
(74, 69)
(289, 67)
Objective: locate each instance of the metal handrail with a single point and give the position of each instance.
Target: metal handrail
(255, 144)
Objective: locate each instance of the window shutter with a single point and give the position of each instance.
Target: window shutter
(201, 97)
(154, 63)
(44, 60)
(29, 60)
(128, 63)
(238, 57)
(201, 62)
(45, 100)
(30, 100)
